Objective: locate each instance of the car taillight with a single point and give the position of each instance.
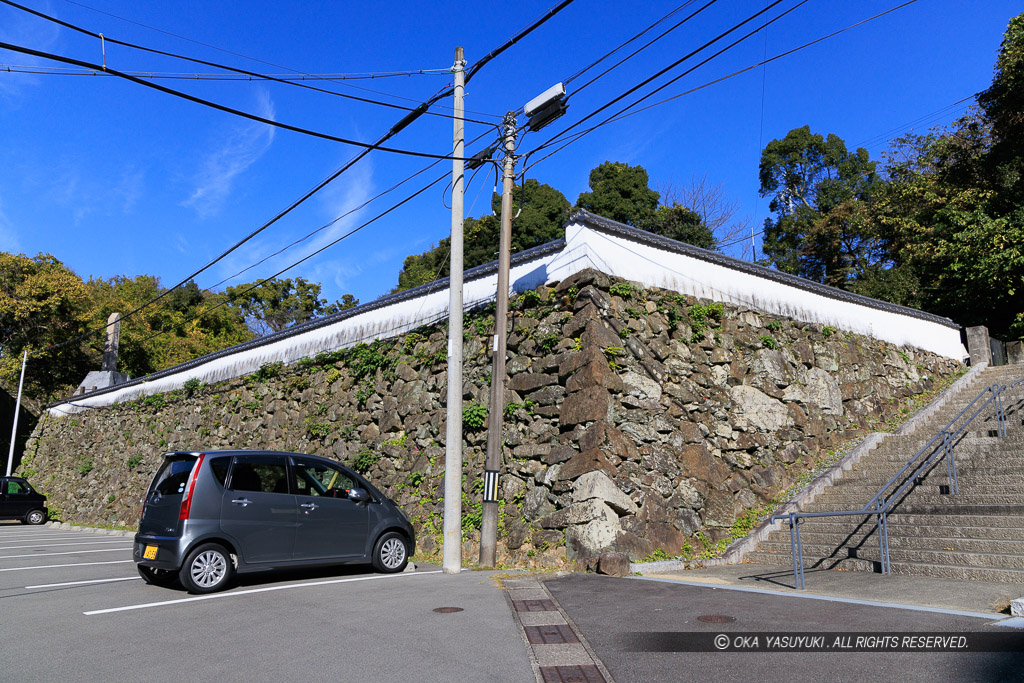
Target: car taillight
(186, 501)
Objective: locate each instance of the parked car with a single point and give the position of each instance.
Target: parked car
(208, 515)
(18, 500)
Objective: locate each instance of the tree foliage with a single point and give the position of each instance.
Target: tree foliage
(274, 304)
(941, 227)
(620, 192)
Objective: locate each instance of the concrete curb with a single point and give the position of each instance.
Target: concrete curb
(90, 529)
(736, 552)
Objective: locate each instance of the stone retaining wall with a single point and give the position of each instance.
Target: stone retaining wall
(638, 420)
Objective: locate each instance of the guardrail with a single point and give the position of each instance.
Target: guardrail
(881, 504)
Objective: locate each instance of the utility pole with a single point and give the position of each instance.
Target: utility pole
(17, 409)
(452, 542)
(496, 408)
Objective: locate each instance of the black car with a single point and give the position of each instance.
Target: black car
(208, 515)
(18, 500)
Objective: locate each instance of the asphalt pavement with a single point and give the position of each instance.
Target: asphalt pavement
(72, 607)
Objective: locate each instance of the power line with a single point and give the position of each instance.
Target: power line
(645, 46)
(412, 115)
(183, 75)
(252, 74)
(472, 71)
(394, 130)
(606, 55)
(620, 116)
(553, 139)
(238, 54)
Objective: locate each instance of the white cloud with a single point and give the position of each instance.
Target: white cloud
(20, 28)
(8, 235)
(242, 148)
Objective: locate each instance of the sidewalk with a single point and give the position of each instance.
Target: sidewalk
(864, 587)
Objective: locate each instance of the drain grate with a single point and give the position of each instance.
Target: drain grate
(550, 635)
(534, 606)
(716, 618)
(447, 610)
(585, 673)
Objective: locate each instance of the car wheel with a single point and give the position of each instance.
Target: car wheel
(391, 553)
(157, 577)
(207, 569)
(35, 517)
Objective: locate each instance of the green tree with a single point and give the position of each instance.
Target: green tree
(821, 229)
(185, 323)
(682, 224)
(277, 303)
(1003, 107)
(542, 211)
(42, 305)
(620, 192)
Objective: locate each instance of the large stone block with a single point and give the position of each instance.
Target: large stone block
(579, 513)
(598, 485)
(526, 382)
(697, 462)
(587, 405)
(584, 462)
(760, 410)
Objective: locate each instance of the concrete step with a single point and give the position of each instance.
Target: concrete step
(968, 487)
(839, 531)
(845, 501)
(904, 568)
(822, 545)
(942, 515)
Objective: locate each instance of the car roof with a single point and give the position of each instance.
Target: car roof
(250, 452)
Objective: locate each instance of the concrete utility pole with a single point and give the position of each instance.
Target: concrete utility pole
(452, 543)
(17, 409)
(496, 409)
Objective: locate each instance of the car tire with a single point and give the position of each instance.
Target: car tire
(157, 577)
(35, 517)
(391, 553)
(207, 569)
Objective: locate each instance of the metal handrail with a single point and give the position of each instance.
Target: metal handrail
(880, 504)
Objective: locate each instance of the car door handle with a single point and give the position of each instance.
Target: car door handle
(309, 506)
(241, 501)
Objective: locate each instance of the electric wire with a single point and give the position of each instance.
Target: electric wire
(620, 116)
(573, 77)
(479, 64)
(391, 132)
(555, 138)
(246, 115)
(238, 54)
(114, 41)
(643, 47)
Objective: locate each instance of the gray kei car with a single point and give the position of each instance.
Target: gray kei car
(210, 514)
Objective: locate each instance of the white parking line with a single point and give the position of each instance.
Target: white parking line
(82, 583)
(56, 545)
(70, 552)
(57, 566)
(216, 596)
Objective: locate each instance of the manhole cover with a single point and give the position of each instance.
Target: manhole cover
(716, 618)
(447, 610)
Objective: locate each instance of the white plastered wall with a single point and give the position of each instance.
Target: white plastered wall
(585, 248)
(689, 275)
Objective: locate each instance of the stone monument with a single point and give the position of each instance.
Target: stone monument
(107, 375)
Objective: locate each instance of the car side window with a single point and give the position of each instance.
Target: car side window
(314, 478)
(261, 474)
(219, 467)
(16, 487)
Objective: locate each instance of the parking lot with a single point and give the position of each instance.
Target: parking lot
(73, 607)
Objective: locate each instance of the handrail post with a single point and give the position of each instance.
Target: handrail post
(798, 569)
(1000, 414)
(800, 553)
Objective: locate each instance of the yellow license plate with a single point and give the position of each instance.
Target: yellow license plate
(150, 553)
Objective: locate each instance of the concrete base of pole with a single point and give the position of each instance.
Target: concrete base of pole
(489, 536)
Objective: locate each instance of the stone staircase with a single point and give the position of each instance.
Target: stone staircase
(976, 534)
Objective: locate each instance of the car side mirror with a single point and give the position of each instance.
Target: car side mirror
(358, 495)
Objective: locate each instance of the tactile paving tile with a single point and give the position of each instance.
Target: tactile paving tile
(534, 606)
(587, 673)
(550, 635)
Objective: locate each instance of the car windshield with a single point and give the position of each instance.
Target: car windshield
(173, 474)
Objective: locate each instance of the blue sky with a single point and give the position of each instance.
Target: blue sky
(117, 179)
